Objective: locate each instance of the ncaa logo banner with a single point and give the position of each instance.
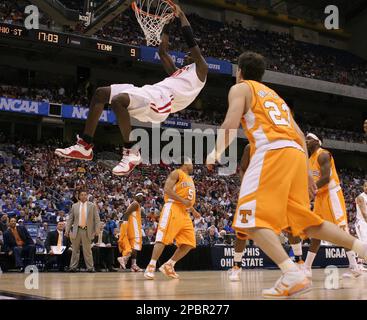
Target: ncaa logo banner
(81, 113)
(24, 106)
(149, 54)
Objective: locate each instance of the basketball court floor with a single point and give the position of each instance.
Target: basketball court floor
(210, 285)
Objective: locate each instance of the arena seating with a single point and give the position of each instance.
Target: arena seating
(226, 41)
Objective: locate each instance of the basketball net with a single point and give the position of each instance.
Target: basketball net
(152, 16)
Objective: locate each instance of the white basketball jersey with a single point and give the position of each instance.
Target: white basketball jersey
(359, 212)
(184, 85)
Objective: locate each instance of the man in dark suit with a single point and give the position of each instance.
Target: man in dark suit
(102, 250)
(18, 243)
(57, 238)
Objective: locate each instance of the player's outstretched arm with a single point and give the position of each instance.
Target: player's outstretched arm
(201, 65)
(167, 61)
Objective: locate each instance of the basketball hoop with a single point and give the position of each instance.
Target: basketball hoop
(152, 15)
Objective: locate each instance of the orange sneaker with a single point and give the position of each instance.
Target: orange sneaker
(168, 270)
(149, 272)
(290, 284)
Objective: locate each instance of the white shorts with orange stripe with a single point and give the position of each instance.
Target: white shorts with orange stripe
(148, 103)
(274, 193)
(175, 225)
(330, 206)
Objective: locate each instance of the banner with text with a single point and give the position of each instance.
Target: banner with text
(81, 113)
(222, 258)
(24, 106)
(177, 123)
(150, 54)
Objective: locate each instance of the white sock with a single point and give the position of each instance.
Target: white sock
(288, 265)
(352, 259)
(360, 248)
(297, 249)
(310, 258)
(171, 262)
(133, 262)
(153, 262)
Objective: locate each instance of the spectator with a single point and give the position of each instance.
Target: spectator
(4, 222)
(18, 243)
(212, 238)
(57, 238)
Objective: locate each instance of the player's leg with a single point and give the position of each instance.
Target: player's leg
(124, 245)
(262, 213)
(131, 157)
(165, 236)
(330, 232)
(157, 252)
(296, 244)
(134, 265)
(83, 150)
(311, 255)
(239, 247)
(185, 240)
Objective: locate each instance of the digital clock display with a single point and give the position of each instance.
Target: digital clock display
(48, 37)
(68, 40)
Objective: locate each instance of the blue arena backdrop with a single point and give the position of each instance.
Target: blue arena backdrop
(150, 54)
(73, 112)
(24, 106)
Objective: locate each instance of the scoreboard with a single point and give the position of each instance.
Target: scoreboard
(69, 41)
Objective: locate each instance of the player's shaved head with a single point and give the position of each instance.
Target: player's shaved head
(251, 66)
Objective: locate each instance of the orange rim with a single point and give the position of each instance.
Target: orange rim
(137, 9)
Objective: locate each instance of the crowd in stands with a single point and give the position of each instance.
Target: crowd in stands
(38, 187)
(227, 40)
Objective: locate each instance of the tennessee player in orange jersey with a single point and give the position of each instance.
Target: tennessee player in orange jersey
(175, 223)
(241, 238)
(275, 189)
(329, 200)
(130, 240)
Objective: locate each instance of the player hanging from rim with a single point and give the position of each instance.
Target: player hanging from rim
(240, 242)
(130, 240)
(329, 202)
(150, 103)
(276, 187)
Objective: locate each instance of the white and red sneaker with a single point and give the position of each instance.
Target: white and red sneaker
(80, 151)
(130, 159)
(123, 261)
(136, 268)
